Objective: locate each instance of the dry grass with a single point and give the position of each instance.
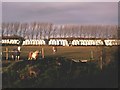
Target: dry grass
(72, 52)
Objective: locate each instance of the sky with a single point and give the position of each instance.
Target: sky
(61, 12)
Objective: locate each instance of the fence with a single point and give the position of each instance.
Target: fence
(7, 53)
(92, 56)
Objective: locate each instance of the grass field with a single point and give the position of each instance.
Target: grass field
(68, 74)
(75, 52)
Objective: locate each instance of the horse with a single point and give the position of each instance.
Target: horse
(54, 49)
(15, 54)
(33, 55)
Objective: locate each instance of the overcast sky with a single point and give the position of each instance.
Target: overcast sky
(61, 12)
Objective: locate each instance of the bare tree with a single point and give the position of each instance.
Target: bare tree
(16, 27)
(41, 30)
(7, 28)
(44, 25)
(70, 30)
(24, 27)
(33, 27)
(50, 28)
(20, 30)
(61, 31)
(80, 30)
(54, 31)
(3, 28)
(11, 26)
(65, 28)
(37, 30)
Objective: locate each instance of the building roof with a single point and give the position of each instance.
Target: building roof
(13, 37)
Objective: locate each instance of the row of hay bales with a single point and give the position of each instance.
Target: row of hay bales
(65, 42)
(34, 42)
(79, 42)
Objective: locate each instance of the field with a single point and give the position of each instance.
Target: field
(75, 52)
(68, 73)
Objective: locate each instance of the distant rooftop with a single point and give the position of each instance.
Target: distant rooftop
(12, 37)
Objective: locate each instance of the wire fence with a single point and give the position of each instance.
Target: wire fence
(8, 54)
(93, 57)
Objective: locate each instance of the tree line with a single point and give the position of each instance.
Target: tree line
(45, 30)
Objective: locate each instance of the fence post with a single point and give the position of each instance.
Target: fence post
(91, 55)
(101, 59)
(6, 53)
(43, 53)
